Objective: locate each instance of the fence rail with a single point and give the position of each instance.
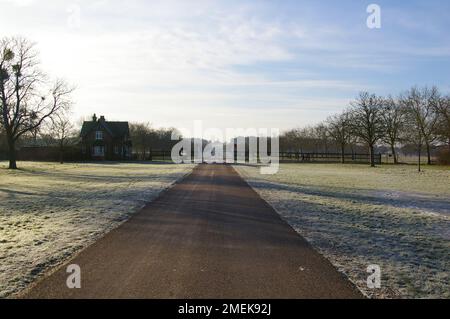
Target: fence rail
(74, 154)
(289, 157)
(298, 157)
(153, 156)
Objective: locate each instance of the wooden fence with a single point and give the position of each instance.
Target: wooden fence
(327, 158)
(74, 154)
(291, 157)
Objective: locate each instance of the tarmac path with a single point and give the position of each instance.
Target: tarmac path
(209, 236)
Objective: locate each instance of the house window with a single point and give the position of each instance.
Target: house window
(116, 150)
(99, 150)
(99, 135)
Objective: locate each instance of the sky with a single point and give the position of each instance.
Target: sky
(232, 64)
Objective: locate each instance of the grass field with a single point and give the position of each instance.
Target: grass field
(49, 211)
(356, 216)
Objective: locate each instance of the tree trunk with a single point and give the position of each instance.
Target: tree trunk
(343, 153)
(12, 154)
(61, 154)
(372, 156)
(428, 154)
(420, 155)
(394, 154)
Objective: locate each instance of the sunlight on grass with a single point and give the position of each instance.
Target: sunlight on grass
(356, 215)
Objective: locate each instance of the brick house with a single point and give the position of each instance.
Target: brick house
(105, 140)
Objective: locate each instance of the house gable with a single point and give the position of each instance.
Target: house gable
(114, 129)
(115, 142)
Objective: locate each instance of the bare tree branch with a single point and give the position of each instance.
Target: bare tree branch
(366, 122)
(27, 98)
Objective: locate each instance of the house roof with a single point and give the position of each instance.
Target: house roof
(116, 129)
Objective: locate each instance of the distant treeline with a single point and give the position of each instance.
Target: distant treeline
(146, 140)
(417, 120)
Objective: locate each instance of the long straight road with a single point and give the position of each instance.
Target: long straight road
(210, 236)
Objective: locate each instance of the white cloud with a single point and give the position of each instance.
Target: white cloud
(197, 59)
(20, 3)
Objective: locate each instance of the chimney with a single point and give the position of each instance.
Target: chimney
(94, 118)
(102, 119)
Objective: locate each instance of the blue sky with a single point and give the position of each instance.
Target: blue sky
(269, 64)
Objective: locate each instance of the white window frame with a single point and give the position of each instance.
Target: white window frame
(99, 135)
(99, 151)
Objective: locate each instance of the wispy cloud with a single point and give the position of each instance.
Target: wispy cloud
(171, 61)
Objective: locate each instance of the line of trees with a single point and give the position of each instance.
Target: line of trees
(419, 117)
(31, 105)
(61, 134)
(146, 140)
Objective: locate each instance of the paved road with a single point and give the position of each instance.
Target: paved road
(210, 236)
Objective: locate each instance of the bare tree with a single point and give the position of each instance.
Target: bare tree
(27, 99)
(62, 131)
(140, 136)
(366, 121)
(146, 140)
(3, 144)
(321, 133)
(162, 138)
(289, 141)
(420, 106)
(441, 107)
(394, 117)
(307, 139)
(339, 130)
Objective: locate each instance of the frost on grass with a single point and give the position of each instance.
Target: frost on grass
(50, 211)
(357, 216)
